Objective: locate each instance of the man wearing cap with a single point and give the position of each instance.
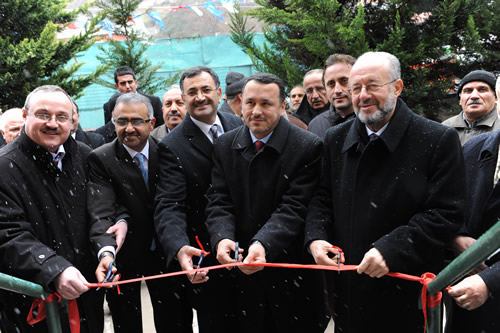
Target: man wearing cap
(477, 97)
(234, 84)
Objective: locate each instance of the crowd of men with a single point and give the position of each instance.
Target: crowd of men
(168, 181)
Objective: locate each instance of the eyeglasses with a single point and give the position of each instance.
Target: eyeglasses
(47, 117)
(204, 91)
(137, 122)
(370, 87)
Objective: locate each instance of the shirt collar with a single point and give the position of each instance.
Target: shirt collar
(265, 139)
(59, 150)
(144, 151)
(205, 128)
(379, 132)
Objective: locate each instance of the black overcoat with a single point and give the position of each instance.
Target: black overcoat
(403, 194)
(43, 221)
(185, 163)
(264, 197)
(482, 211)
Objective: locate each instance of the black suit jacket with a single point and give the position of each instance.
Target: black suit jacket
(185, 158)
(93, 140)
(117, 190)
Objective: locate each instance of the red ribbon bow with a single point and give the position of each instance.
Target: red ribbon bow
(38, 307)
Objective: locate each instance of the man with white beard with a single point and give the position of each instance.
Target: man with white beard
(390, 197)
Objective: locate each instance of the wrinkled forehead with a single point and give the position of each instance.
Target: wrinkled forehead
(313, 80)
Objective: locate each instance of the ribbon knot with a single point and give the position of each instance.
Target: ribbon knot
(37, 311)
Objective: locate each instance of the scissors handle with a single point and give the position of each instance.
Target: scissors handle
(236, 251)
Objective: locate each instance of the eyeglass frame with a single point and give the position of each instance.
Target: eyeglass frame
(46, 117)
(369, 90)
(139, 122)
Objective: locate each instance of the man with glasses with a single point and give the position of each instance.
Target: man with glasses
(122, 185)
(388, 197)
(185, 158)
(43, 221)
(315, 101)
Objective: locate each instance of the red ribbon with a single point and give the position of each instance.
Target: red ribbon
(38, 307)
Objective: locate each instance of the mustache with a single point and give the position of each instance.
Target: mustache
(204, 102)
(474, 101)
(174, 113)
(314, 100)
(256, 117)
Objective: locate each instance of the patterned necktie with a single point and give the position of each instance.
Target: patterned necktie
(213, 131)
(258, 145)
(139, 157)
(56, 159)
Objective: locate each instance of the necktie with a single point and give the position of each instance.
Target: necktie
(57, 159)
(258, 145)
(213, 131)
(140, 158)
(373, 137)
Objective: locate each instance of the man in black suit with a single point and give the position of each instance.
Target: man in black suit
(126, 82)
(476, 298)
(263, 177)
(121, 190)
(93, 140)
(185, 159)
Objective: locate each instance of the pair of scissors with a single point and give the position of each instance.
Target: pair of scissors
(198, 266)
(109, 276)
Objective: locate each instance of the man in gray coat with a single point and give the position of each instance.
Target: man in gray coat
(477, 97)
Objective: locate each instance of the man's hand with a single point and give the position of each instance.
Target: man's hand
(224, 249)
(373, 264)
(185, 257)
(120, 230)
(470, 293)
(102, 269)
(70, 284)
(320, 250)
(462, 243)
(256, 255)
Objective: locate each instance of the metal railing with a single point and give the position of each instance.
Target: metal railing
(21, 286)
(485, 245)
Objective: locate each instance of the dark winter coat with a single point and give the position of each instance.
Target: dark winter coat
(93, 140)
(482, 211)
(43, 221)
(264, 197)
(403, 194)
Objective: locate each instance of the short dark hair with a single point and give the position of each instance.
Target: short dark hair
(268, 78)
(339, 58)
(124, 70)
(193, 71)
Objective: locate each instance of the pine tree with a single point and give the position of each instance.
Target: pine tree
(436, 41)
(130, 52)
(31, 55)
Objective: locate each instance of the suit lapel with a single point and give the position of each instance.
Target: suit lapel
(153, 169)
(197, 138)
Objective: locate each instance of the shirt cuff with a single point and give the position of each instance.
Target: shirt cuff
(108, 248)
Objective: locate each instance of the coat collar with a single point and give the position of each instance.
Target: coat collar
(277, 141)
(42, 157)
(489, 148)
(487, 120)
(357, 136)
